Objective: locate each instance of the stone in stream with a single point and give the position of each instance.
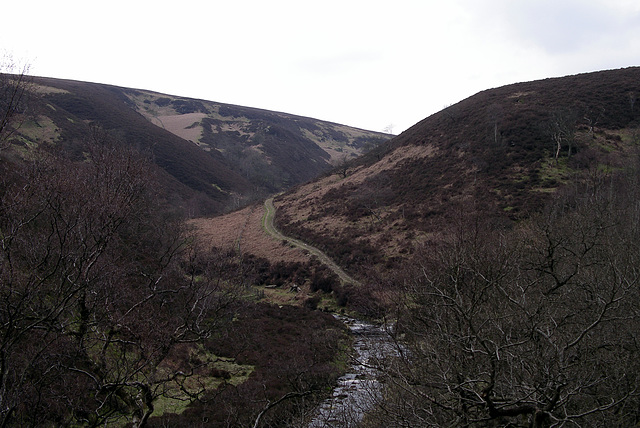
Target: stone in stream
(358, 390)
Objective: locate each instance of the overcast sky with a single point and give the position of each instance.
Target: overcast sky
(364, 63)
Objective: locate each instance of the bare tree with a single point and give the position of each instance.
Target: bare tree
(98, 296)
(536, 328)
(561, 128)
(343, 166)
(592, 117)
(495, 114)
(15, 89)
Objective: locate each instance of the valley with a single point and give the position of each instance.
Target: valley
(268, 225)
(168, 261)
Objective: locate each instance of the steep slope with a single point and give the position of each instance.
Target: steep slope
(273, 150)
(214, 156)
(497, 155)
(69, 109)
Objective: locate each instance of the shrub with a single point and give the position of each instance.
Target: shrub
(324, 280)
(312, 302)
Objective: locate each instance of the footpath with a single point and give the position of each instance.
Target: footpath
(269, 227)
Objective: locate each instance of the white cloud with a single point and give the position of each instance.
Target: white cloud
(362, 63)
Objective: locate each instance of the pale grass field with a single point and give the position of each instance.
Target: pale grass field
(179, 124)
(243, 229)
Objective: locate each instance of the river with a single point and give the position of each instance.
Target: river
(359, 389)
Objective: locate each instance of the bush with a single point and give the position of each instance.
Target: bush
(312, 302)
(162, 102)
(323, 279)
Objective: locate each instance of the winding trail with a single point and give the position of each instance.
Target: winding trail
(358, 390)
(269, 227)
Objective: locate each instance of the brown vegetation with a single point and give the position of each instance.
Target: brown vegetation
(293, 350)
(241, 231)
(500, 235)
(108, 312)
(493, 153)
(536, 326)
(213, 157)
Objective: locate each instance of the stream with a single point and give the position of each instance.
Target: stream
(359, 389)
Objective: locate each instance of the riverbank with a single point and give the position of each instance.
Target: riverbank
(359, 389)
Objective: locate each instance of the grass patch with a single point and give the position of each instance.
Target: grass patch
(218, 370)
(552, 169)
(42, 129)
(219, 189)
(281, 296)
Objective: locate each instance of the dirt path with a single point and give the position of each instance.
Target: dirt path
(269, 227)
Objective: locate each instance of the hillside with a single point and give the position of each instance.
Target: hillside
(274, 150)
(499, 239)
(494, 155)
(110, 315)
(499, 154)
(214, 157)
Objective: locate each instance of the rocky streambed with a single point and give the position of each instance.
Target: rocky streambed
(359, 389)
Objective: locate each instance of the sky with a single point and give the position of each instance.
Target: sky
(376, 65)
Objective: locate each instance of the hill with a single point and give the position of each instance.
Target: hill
(109, 314)
(273, 150)
(214, 157)
(499, 154)
(499, 237)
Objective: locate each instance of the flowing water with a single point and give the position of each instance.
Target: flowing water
(358, 390)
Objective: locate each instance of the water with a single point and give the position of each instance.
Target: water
(359, 389)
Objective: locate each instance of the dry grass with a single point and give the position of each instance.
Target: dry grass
(179, 124)
(305, 199)
(46, 90)
(243, 230)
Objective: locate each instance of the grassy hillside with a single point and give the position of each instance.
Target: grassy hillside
(67, 111)
(184, 117)
(500, 238)
(274, 150)
(110, 315)
(214, 157)
(500, 154)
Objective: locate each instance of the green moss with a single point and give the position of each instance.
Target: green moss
(219, 189)
(219, 370)
(552, 169)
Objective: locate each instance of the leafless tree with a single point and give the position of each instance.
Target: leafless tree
(536, 327)
(98, 295)
(592, 117)
(495, 114)
(15, 91)
(343, 166)
(561, 128)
